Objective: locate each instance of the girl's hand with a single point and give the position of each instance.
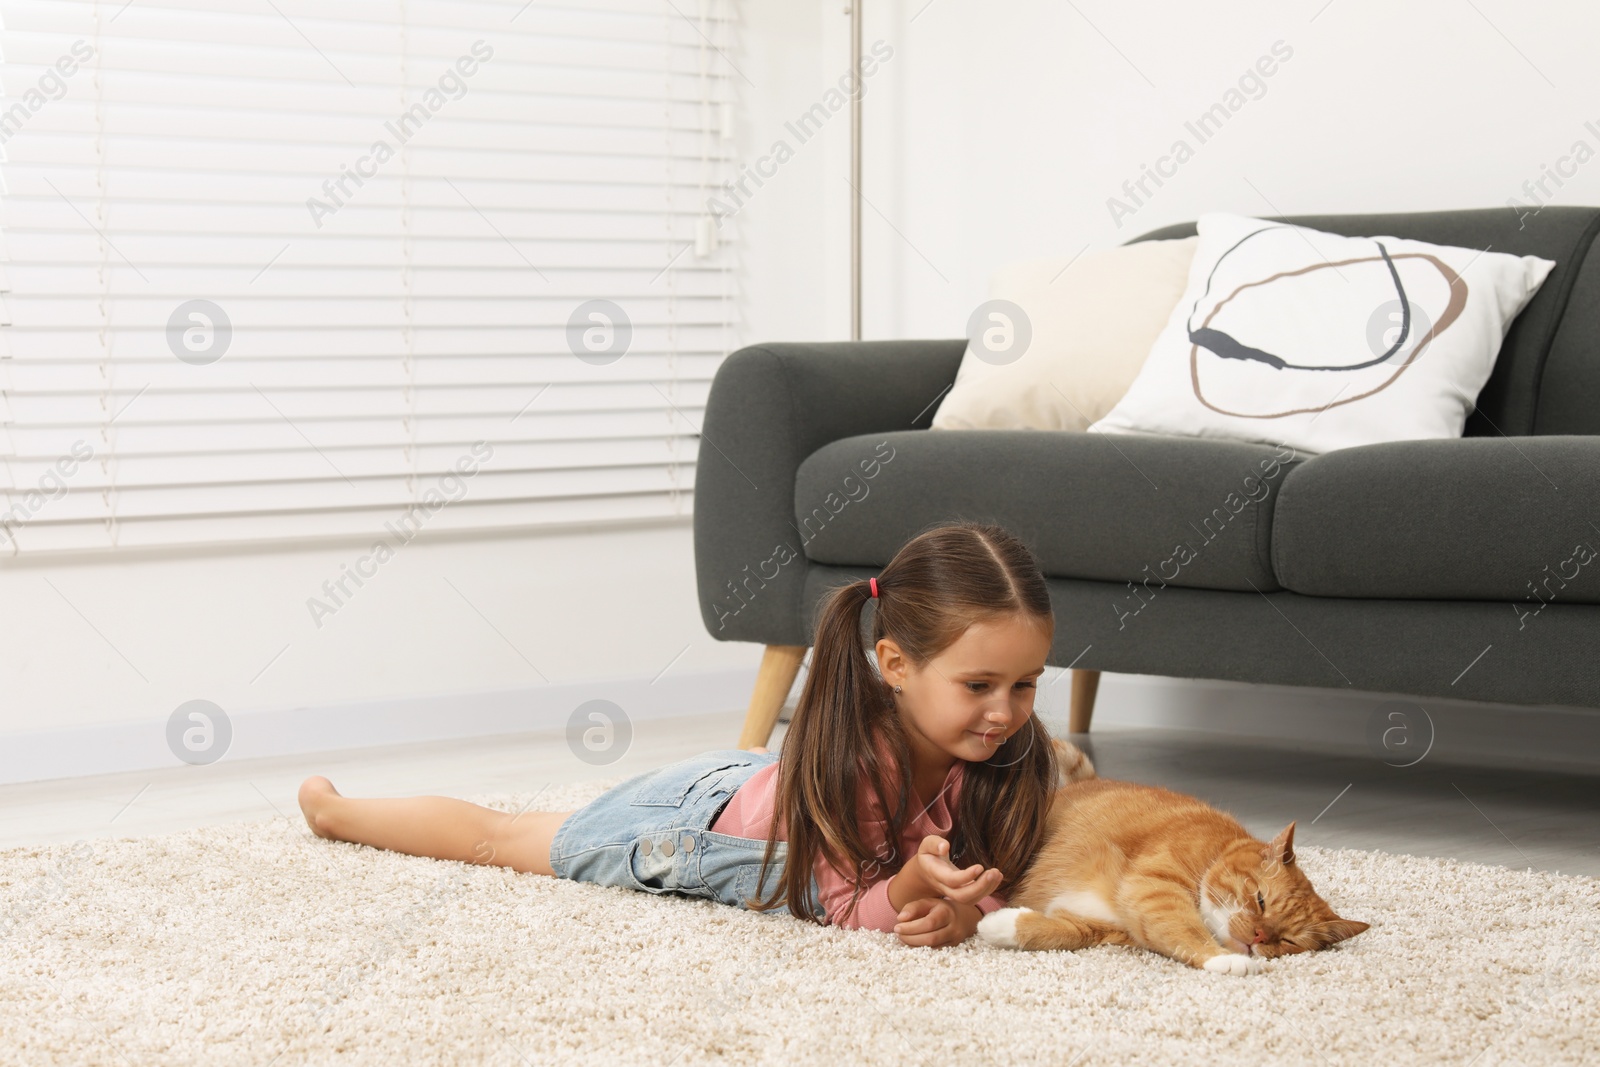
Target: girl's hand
(942, 878)
(928, 921)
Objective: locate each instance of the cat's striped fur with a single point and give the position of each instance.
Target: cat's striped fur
(1130, 864)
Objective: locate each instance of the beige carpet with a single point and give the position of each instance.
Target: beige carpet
(260, 944)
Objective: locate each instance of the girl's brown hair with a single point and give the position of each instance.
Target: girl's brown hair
(942, 581)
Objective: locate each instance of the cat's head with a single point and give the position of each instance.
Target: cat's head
(1256, 900)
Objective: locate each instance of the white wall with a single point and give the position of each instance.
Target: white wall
(97, 652)
(998, 131)
(158, 629)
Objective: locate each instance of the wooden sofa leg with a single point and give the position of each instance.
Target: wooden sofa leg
(1085, 684)
(779, 665)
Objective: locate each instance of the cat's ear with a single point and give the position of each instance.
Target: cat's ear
(1281, 851)
(1333, 931)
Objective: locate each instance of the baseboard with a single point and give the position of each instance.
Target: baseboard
(1332, 720)
(1327, 720)
(132, 746)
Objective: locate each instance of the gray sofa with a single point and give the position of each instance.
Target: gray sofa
(1455, 568)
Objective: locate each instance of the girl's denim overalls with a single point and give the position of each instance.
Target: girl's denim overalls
(652, 833)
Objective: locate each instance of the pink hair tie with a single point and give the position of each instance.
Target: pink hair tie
(874, 583)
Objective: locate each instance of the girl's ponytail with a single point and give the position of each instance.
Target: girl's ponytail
(843, 706)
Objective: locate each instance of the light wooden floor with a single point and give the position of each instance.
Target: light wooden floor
(1513, 817)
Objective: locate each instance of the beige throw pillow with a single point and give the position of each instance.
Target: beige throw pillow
(1060, 340)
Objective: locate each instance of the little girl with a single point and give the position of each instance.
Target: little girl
(903, 798)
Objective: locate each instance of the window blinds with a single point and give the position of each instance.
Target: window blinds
(283, 268)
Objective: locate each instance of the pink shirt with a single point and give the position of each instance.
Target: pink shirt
(749, 814)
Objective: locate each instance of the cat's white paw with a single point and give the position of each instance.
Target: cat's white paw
(999, 927)
(1233, 963)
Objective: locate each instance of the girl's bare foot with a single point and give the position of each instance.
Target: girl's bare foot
(314, 794)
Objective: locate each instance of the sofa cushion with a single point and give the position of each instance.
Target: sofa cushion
(1476, 518)
(1134, 507)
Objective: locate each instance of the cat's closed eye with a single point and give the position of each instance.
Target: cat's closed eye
(1261, 901)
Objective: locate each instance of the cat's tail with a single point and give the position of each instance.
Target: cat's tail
(1075, 766)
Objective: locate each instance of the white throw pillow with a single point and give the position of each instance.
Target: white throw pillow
(1294, 336)
(1059, 340)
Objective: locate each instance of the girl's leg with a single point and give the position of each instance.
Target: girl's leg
(440, 827)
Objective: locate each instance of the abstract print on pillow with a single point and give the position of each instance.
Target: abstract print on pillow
(1291, 335)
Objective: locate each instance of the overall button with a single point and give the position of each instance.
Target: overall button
(666, 847)
(644, 847)
(688, 843)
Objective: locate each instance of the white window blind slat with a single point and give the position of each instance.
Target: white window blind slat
(554, 258)
(208, 21)
(579, 428)
(158, 470)
(504, 373)
(145, 224)
(534, 157)
(43, 535)
(164, 185)
(331, 490)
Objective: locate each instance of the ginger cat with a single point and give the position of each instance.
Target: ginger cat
(1129, 864)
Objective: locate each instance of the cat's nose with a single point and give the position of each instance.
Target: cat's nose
(1260, 936)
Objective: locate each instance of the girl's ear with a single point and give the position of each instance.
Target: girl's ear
(892, 664)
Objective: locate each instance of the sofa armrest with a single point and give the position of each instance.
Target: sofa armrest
(770, 407)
